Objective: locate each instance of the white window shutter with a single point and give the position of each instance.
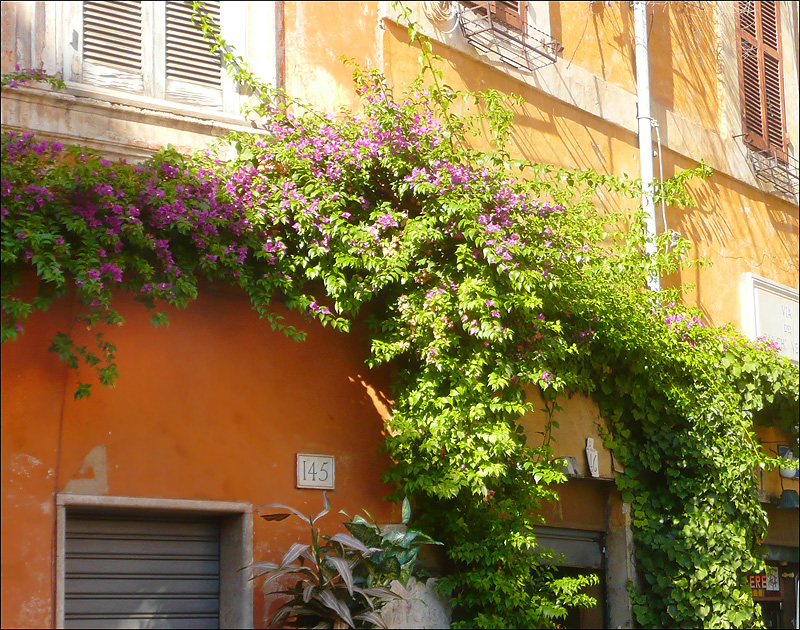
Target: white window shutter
(192, 73)
(153, 49)
(112, 54)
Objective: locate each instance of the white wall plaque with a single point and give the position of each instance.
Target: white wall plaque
(316, 471)
(592, 458)
(772, 310)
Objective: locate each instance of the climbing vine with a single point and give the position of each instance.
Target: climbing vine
(480, 276)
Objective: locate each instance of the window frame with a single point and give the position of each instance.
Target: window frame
(760, 139)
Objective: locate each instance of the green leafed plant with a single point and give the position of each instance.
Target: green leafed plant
(396, 548)
(342, 580)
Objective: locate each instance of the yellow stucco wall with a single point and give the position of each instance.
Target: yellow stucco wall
(598, 37)
(577, 420)
(736, 227)
(317, 35)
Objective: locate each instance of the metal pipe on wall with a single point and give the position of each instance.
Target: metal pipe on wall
(645, 128)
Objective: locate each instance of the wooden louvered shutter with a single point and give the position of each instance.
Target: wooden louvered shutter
(112, 45)
(761, 75)
(775, 120)
(141, 573)
(193, 73)
(512, 13)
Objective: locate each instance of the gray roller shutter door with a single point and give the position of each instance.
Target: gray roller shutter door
(572, 547)
(136, 573)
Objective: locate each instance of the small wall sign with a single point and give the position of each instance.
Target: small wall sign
(766, 584)
(772, 310)
(316, 471)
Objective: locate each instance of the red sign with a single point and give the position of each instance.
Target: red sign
(765, 584)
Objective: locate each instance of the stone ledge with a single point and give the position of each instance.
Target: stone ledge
(133, 130)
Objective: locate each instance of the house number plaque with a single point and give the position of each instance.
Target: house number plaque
(316, 471)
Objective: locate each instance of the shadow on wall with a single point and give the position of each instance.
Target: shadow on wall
(608, 38)
(738, 228)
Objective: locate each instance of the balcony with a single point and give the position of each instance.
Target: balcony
(777, 169)
(518, 45)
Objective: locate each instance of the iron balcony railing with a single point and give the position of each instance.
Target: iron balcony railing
(522, 47)
(777, 168)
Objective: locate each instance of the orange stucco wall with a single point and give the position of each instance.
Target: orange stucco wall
(212, 408)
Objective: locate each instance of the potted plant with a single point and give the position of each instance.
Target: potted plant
(343, 581)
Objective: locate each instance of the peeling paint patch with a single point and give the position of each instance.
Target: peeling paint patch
(261, 548)
(34, 613)
(92, 478)
(22, 463)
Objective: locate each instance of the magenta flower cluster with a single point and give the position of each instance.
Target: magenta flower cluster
(312, 196)
(22, 77)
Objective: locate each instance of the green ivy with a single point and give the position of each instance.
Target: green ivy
(477, 275)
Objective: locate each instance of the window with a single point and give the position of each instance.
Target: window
(153, 49)
(517, 32)
(761, 76)
(514, 14)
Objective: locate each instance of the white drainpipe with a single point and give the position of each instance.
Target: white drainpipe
(645, 128)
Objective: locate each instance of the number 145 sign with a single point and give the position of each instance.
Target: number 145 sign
(316, 471)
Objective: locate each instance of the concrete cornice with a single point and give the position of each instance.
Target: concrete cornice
(128, 126)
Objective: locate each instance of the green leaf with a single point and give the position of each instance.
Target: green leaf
(159, 319)
(406, 511)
